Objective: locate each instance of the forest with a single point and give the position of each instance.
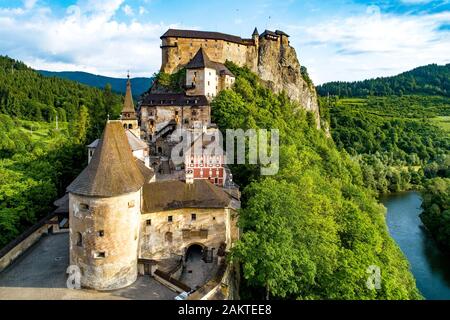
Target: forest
(397, 140)
(436, 210)
(45, 124)
(398, 128)
(432, 79)
(312, 230)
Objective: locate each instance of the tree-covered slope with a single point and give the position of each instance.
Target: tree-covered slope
(436, 210)
(312, 231)
(432, 79)
(38, 160)
(139, 85)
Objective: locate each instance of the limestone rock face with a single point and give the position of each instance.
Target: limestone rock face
(279, 68)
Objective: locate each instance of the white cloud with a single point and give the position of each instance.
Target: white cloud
(29, 4)
(371, 45)
(87, 37)
(142, 10)
(127, 10)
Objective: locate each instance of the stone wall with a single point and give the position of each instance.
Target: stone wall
(161, 239)
(177, 52)
(16, 248)
(109, 232)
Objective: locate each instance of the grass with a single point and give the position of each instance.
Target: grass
(443, 122)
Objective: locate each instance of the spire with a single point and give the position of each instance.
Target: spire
(255, 33)
(128, 111)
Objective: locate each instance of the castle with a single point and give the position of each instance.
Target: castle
(133, 208)
(135, 211)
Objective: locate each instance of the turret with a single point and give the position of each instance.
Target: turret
(128, 115)
(104, 214)
(255, 37)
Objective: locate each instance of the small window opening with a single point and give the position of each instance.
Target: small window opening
(99, 255)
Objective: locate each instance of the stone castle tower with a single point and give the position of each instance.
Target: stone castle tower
(128, 116)
(104, 213)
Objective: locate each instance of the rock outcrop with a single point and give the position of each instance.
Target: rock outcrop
(279, 67)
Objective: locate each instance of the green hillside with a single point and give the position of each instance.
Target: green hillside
(432, 79)
(139, 85)
(37, 161)
(312, 230)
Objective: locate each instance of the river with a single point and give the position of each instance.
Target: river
(430, 266)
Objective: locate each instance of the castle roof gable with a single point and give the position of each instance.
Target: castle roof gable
(281, 33)
(201, 61)
(176, 194)
(113, 170)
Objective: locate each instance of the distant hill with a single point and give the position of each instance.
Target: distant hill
(139, 85)
(431, 79)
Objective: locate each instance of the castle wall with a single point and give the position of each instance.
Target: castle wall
(109, 229)
(177, 52)
(205, 81)
(157, 116)
(163, 239)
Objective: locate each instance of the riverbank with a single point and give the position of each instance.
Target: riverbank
(429, 265)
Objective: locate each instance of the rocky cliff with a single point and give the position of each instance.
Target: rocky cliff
(279, 67)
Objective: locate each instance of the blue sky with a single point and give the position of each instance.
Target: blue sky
(335, 39)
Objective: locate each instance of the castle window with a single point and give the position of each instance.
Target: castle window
(170, 219)
(148, 222)
(169, 237)
(100, 233)
(84, 207)
(193, 216)
(125, 126)
(79, 239)
(131, 204)
(99, 255)
(130, 126)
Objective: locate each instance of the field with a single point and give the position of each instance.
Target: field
(442, 122)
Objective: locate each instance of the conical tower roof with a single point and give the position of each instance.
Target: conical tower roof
(255, 32)
(128, 111)
(113, 170)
